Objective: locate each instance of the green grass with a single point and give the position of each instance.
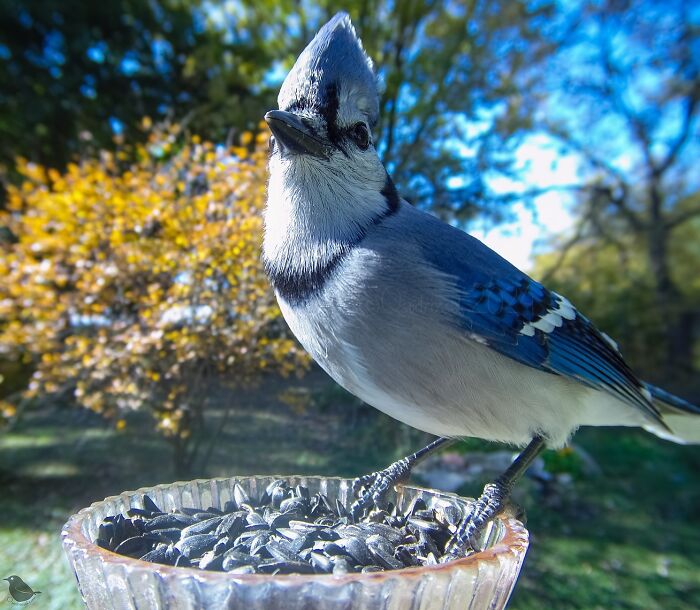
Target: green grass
(628, 538)
(625, 539)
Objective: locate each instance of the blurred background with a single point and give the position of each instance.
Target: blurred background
(140, 342)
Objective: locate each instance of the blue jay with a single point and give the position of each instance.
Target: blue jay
(414, 316)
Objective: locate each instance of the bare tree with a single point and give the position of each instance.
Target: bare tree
(625, 96)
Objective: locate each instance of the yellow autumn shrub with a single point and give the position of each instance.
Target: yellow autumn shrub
(134, 277)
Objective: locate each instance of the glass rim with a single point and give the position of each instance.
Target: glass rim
(515, 541)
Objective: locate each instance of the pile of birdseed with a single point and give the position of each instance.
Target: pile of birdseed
(285, 531)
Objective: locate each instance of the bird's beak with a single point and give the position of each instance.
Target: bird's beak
(294, 136)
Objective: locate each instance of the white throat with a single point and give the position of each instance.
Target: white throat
(313, 211)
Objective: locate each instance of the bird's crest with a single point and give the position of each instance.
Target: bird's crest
(333, 75)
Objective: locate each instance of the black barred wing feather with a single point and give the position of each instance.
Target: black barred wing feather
(520, 318)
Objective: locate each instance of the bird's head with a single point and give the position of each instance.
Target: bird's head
(322, 133)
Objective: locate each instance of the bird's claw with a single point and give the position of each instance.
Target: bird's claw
(371, 489)
(491, 502)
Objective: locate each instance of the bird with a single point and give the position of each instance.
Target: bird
(415, 316)
(20, 591)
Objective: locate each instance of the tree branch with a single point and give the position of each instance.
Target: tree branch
(682, 217)
(564, 251)
(685, 131)
(619, 202)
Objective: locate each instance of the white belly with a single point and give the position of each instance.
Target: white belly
(408, 362)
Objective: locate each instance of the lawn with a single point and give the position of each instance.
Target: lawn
(627, 537)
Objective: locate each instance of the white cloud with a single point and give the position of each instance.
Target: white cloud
(542, 167)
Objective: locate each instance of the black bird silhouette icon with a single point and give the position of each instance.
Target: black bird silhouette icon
(20, 592)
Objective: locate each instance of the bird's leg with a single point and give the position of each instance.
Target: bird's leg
(492, 500)
(377, 484)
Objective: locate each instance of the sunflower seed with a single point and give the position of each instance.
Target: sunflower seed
(171, 554)
(341, 566)
(139, 512)
(255, 519)
(278, 495)
(234, 559)
(449, 515)
(135, 545)
(204, 515)
(285, 530)
(302, 492)
(169, 520)
(239, 495)
(157, 555)
(340, 509)
(276, 520)
(203, 527)
(321, 563)
(381, 529)
(383, 553)
(197, 545)
(182, 562)
(259, 543)
(303, 526)
(168, 534)
(211, 561)
(357, 550)
(149, 504)
(289, 533)
(105, 532)
(294, 505)
(281, 551)
(300, 543)
(231, 525)
(404, 555)
(426, 545)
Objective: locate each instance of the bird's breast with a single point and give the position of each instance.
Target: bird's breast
(386, 336)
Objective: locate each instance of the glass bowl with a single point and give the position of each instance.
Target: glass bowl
(108, 580)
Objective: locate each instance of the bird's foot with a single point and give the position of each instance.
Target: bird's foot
(371, 489)
(491, 502)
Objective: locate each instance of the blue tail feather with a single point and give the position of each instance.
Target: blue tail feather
(673, 401)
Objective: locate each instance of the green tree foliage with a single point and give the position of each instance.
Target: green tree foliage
(70, 69)
(452, 75)
(613, 284)
(456, 77)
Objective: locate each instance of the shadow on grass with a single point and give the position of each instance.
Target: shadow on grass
(59, 460)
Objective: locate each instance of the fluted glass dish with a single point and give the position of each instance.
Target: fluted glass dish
(110, 581)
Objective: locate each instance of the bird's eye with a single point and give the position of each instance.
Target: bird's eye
(360, 134)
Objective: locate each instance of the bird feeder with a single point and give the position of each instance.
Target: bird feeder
(108, 580)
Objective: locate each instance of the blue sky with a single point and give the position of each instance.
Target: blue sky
(542, 166)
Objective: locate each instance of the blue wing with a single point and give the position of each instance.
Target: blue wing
(520, 318)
